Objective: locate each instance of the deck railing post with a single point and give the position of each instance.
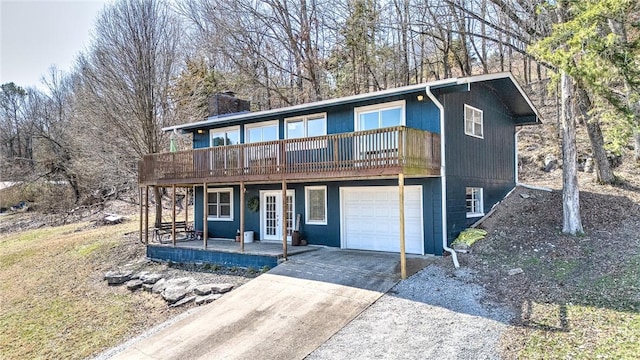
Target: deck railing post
(284, 219)
(205, 226)
(146, 215)
(173, 214)
(403, 255)
(242, 190)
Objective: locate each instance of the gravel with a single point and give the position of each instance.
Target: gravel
(436, 314)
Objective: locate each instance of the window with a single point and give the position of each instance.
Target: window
(220, 204)
(474, 202)
(263, 131)
(225, 136)
(261, 155)
(316, 205)
(473, 123)
(306, 126)
(379, 116)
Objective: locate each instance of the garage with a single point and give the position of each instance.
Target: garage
(370, 219)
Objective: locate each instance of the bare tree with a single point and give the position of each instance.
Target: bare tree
(126, 77)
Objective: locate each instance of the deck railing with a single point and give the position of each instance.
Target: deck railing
(357, 154)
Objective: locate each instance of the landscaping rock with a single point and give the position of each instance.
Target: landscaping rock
(515, 271)
(134, 284)
(117, 277)
(202, 290)
(177, 289)
(147, 287)
(159, 286)
(150, 278)
(201, 300)
(138, 275)
(183, 301)
(221, 288)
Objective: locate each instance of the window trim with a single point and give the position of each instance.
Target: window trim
(480, 201)
(307, 203)
(357, 111)
(231, 201)
(224, 129)
(473, 122)
(305, 119)
(250, 126)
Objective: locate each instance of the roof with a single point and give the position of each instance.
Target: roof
(504, 85)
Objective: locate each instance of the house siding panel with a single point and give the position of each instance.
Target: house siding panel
(472, 162)
(327, 235)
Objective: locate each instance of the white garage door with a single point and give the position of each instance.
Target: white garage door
(370, 219)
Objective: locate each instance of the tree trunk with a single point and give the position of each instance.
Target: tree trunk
(572, 224)
(636, 145)
(604, 175)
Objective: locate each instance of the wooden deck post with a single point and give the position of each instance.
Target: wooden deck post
(205, 227)
(146, 215)
(186, 206)
(241, 216)
(284, 219)
(173, 217)
(403, 255)
(141, 212)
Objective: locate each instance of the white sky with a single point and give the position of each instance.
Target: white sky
(37, 34)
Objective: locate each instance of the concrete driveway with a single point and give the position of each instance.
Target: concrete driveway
(283, 314)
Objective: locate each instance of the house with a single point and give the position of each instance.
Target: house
(446, 150)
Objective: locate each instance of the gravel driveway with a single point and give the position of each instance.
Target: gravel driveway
(435, 314)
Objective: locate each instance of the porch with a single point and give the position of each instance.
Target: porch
(224, 252)
(388, 153)
(361, 154)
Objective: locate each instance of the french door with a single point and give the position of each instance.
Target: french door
(271, 214)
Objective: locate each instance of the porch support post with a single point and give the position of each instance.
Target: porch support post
(146, 215)
(141, 212)
(284, 219)
(173, 217)
(403, 255)
(242, 216)
(186, 206)
(205, 204)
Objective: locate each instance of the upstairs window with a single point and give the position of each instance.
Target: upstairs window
(474, 202)
(220, 204)
(225, 136)
(306, 126)
(380, 116)
(473, 122)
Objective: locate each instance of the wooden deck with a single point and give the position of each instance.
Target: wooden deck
(362, 154)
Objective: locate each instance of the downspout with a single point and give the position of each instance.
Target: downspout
(443, 179)
(516, 160)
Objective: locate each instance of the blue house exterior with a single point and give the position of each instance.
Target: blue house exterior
(445, 150)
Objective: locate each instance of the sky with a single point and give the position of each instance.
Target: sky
(34, 35)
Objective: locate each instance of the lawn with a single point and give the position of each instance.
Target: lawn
(54, 302)
(578, 297)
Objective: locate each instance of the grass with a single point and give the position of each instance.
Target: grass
(574, 331)
(599, 317)
(54, 302)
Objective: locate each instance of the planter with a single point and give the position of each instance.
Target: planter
(295, 238)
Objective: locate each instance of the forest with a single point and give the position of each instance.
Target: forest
(151, 64)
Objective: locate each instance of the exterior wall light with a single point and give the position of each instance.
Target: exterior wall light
(200, 131)
(420, 97)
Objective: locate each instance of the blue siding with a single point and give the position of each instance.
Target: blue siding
(328, 235)
(190, 256)
(201, 140)
(488, 163)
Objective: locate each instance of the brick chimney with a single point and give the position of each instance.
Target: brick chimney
(227, 103)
